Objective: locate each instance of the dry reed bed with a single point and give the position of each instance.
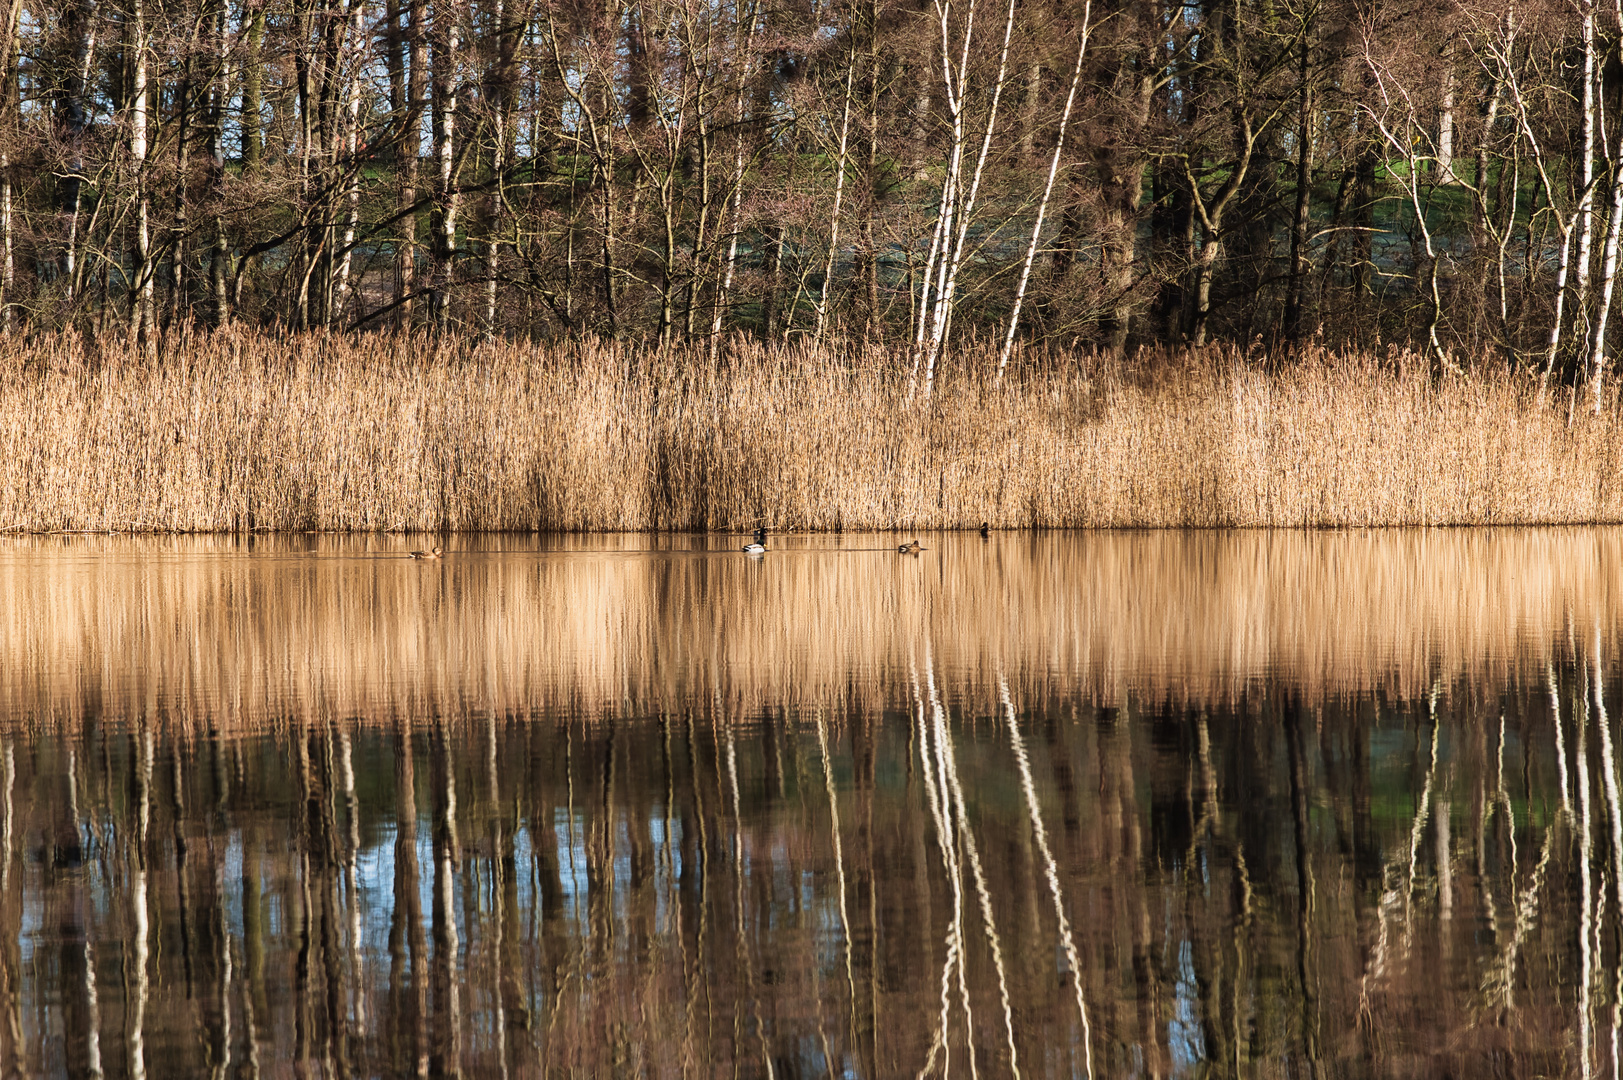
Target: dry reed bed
(193, 631)
(234, 431)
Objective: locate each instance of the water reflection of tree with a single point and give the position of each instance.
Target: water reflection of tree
(1275, 885)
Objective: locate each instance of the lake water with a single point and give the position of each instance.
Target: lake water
(1272, 804)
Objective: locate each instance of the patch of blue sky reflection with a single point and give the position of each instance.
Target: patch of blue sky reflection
(1186, 1038)
(667, 842)
(572, 854)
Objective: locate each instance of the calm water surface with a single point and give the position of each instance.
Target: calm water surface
(1173, 804)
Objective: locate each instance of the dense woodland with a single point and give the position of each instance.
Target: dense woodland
(1071, 173)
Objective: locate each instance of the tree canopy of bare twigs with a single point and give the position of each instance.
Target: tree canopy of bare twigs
(1354, 173)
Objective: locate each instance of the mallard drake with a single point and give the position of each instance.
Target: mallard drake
(432, 553)
(912, 547)
(759, 547)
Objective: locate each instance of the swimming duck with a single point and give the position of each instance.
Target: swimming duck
(912, 547)
(986, 531)
(432, 553)
(759, 547)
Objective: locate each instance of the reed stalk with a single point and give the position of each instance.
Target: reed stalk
(236, 431)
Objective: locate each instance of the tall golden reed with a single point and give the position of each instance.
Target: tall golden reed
(235, 431)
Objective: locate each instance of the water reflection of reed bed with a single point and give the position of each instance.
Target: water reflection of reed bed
(249, 634)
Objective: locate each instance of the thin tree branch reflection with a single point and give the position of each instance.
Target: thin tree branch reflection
(1050, 869)
(138, 902)
(1615, 813)
(1422, 812)
(1588, 924)
(839, 868)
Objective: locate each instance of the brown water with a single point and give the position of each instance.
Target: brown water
(1171, 804)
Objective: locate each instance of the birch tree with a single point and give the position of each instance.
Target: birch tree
(411, 152)
(352, 57)
(84, 20)
(1586, 151)
(10, 123)
(141, 292)
(840, 168)
(443, 91)
(1614, 226)
(1410, 150)
(1048, 190)
(957, 205)
(744, 33)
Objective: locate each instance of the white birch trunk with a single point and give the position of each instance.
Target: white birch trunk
(1586, 197)
(1445, 118)
(1504, 238)
(923, 356)
(492, 257)
(703, 254)
(498, 163)
(350, 71)
(952, 265)
(411, 148)
(1406, 143)
(219, 97)
(1580, 217)
(1502, 57)
(1608, 278)
(141, 316)
(1485, 221)
(949, 182)
(1554, 343)
(11, 57)
(79, 123)
(724, 291)
(492, 253)
(309, 152)
(1048, 192)
(736, 212)
(444, 50)
(839, 195)
(935, 264)
(943, 216)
